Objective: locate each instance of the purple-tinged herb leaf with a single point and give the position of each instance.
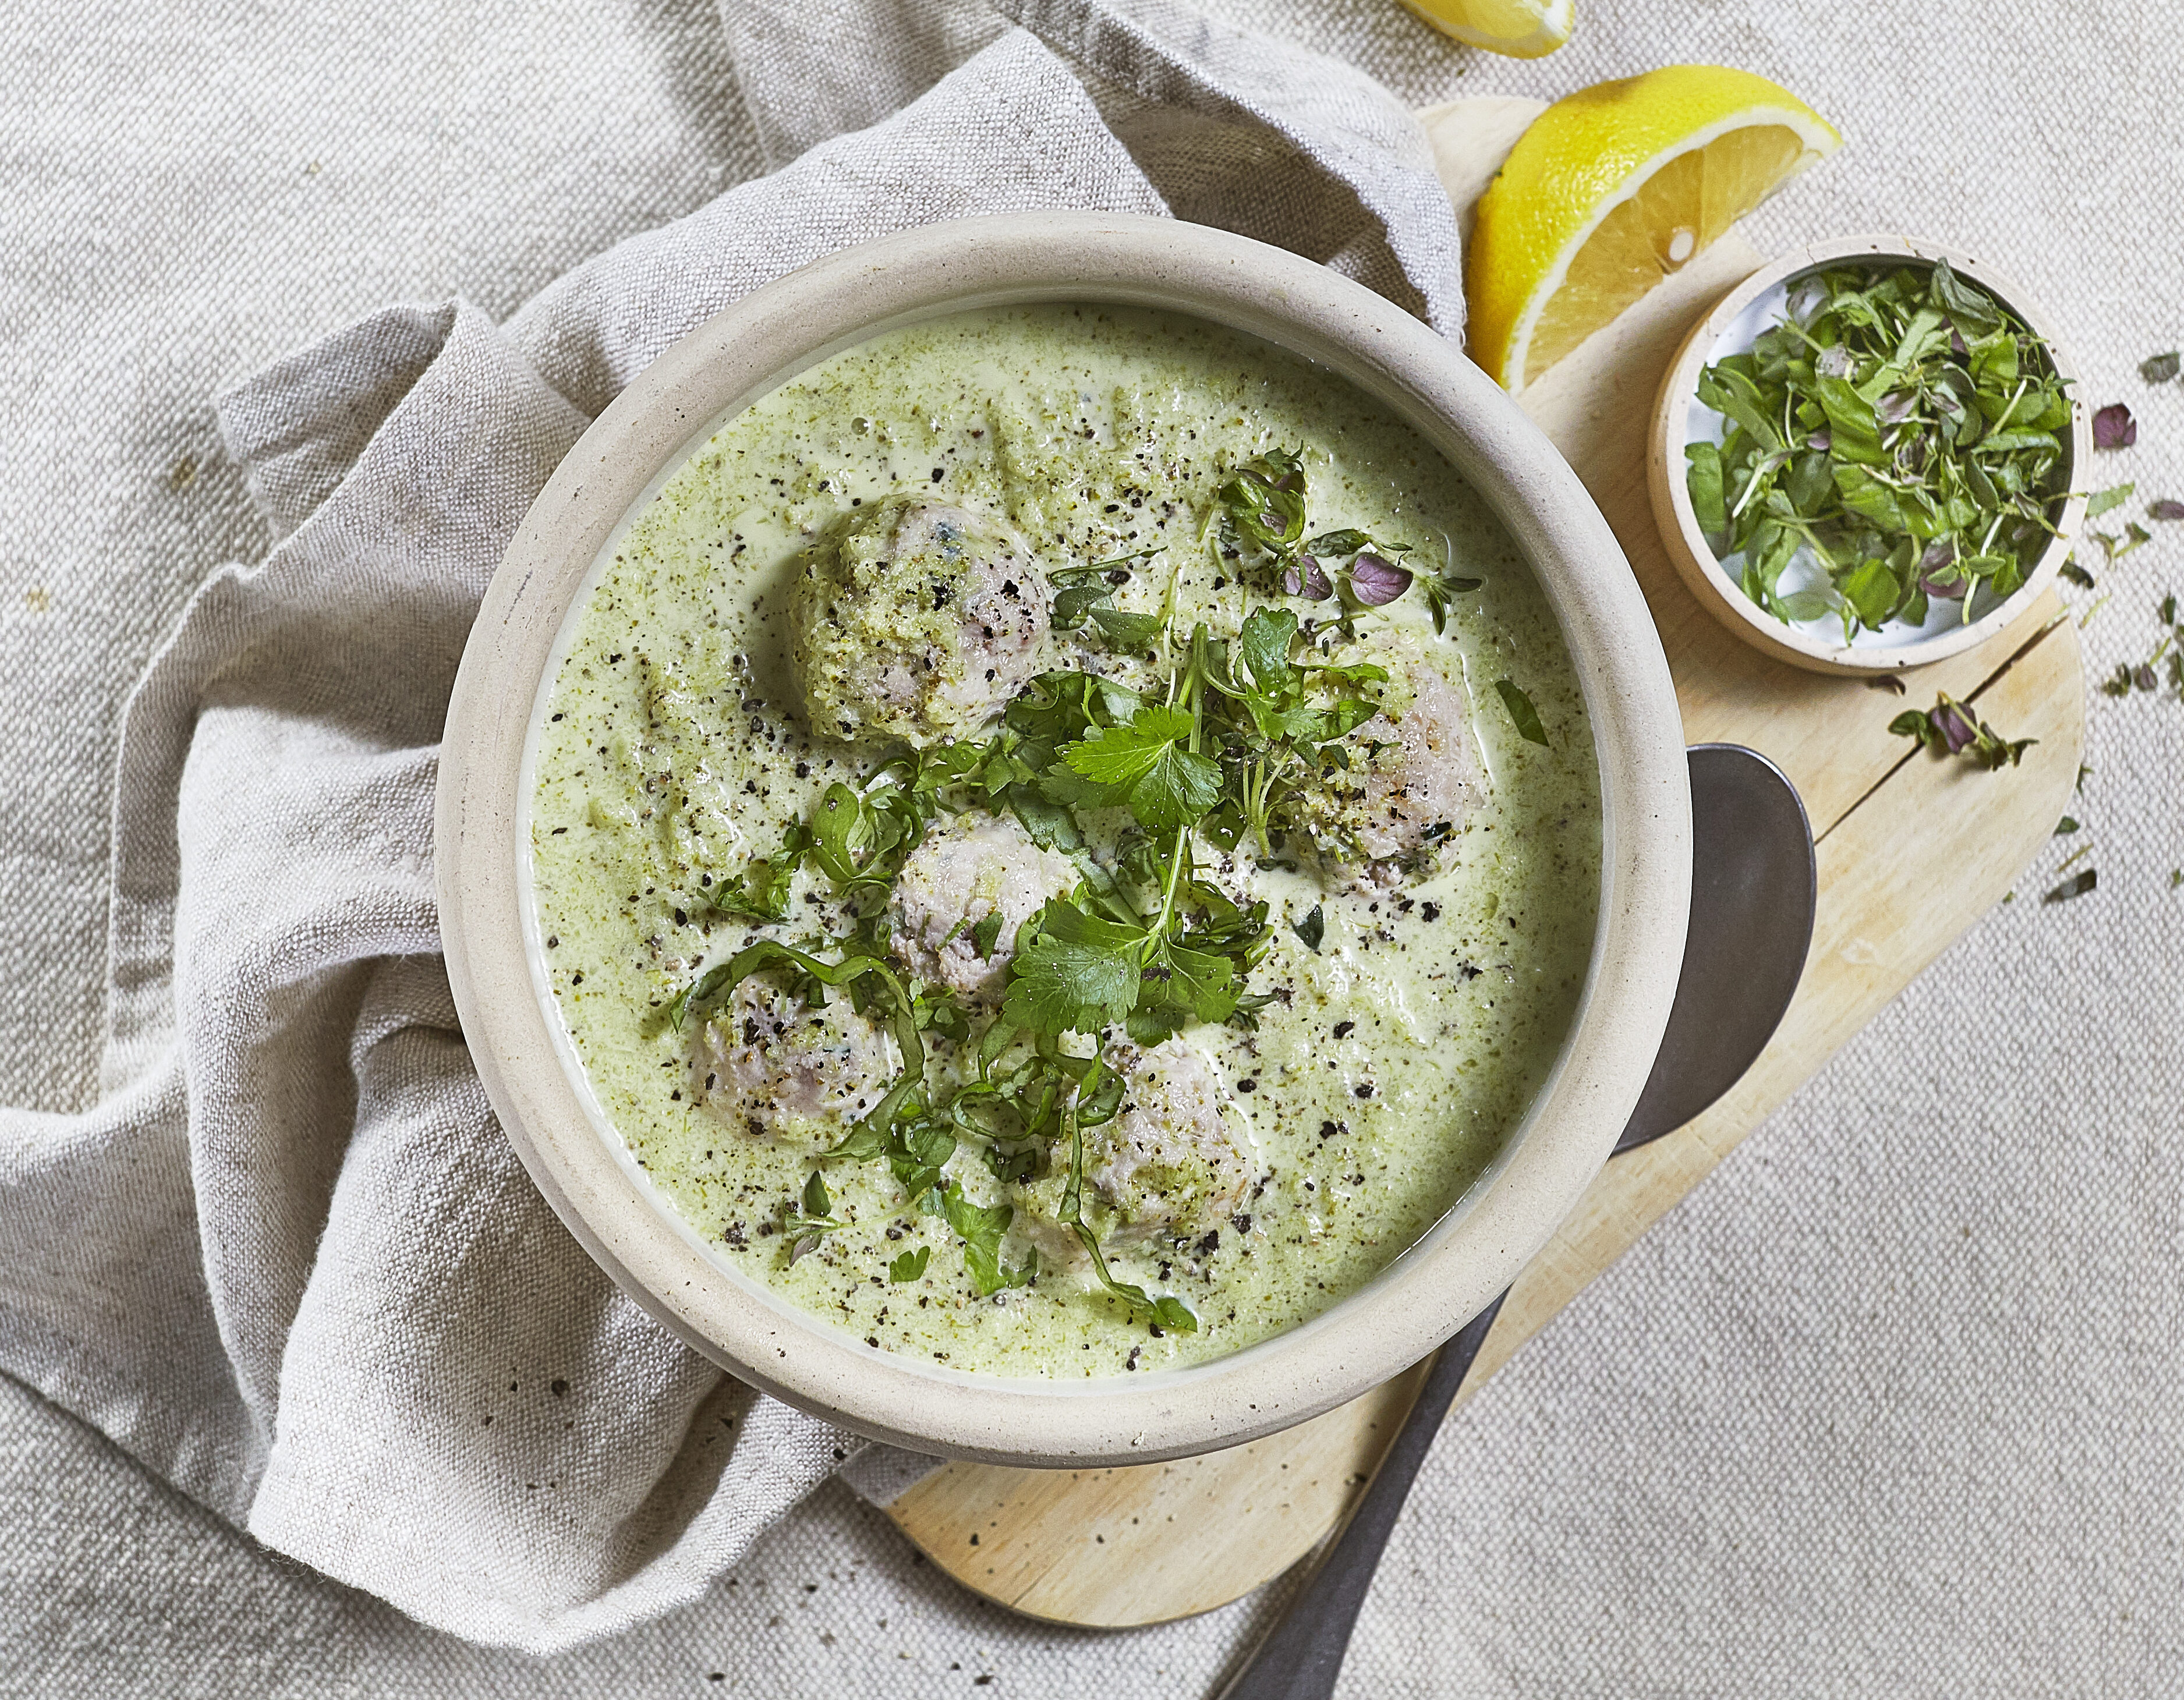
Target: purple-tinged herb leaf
(2159, 369)
(1822, 440)
(1376, 582)
(1307, 578)
(2115, 428)
(1949, 589)
(1950, 728)
(1895, 408)
(2167, 508)
(2142, 676)
(2076, 886)
(1956, 727)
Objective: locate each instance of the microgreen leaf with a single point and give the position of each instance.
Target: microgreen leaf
(1125, 631)
(1264, 501)
(1522, 714)
(986, 933)
(2159, 369)
(2079, 883)
(1312, 928)
(1264, 647)
(1970, 310)
(2101, 501)
(909, 1265)
(841, 828)
(1702, 475)
(812, 1221)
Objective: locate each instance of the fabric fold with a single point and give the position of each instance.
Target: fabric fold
(288, 1260)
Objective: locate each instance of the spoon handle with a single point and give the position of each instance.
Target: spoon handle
(1302, 1657)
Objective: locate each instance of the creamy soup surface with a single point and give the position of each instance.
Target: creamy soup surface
(1024, 868)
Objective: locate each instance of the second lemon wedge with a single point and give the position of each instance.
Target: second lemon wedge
(1611, 190)
(1522, 29)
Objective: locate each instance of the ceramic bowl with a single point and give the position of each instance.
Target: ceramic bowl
(1680, 418)
(514, 1027)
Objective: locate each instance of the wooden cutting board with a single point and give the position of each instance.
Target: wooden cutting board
(1140, 1544)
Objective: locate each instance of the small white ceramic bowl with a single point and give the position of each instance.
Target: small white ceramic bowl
(514, 1027)
(1680, 418)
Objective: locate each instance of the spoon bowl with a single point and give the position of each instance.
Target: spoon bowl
(1754, 886)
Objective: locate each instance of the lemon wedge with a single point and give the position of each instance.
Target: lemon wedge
(1522, 29)
(1612, 189)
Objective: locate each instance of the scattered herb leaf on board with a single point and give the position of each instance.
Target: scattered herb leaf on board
(2114, 428)
(2159, 369)
(1900, 432)
(1950, 728)
(2077, 885)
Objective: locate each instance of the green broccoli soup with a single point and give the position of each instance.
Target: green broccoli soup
(1064, 838)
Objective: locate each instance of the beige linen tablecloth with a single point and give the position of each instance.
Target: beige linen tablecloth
(1888, 1406)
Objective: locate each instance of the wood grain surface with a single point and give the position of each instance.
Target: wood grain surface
(1141, 1544)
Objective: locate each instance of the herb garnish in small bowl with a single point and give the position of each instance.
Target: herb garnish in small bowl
(1864, 456)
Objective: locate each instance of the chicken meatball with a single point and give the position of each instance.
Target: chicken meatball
(775, 1068)
(917, 621)
(1413, 774)
(1175, 1161)
(964, 872)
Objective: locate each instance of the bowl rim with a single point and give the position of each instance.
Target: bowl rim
(1686, 543)
(1468, 1257)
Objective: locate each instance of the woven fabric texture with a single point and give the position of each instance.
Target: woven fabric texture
(1890, 1404)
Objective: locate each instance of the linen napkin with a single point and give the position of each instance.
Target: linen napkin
(287, 1260)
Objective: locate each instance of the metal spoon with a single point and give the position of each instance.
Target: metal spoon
(1754, 885)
